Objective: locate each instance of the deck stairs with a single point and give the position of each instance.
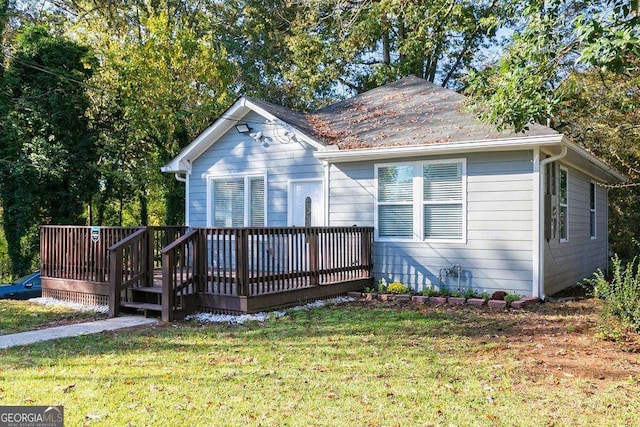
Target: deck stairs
(147, 300)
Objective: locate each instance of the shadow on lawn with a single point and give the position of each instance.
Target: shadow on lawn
(341, 322)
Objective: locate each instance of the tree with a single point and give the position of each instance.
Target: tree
(47, 172)
(163, 78)
(364, 44)
(600, 109)
(556, 37)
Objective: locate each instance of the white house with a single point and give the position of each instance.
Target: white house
(453, 201)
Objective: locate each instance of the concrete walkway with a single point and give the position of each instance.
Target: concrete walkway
(73, 330)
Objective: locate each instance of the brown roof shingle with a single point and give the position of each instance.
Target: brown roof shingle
(410, 111)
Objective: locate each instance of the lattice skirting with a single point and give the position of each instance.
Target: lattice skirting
(76, 297)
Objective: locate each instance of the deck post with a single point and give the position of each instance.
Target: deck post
(149, 242)
(200, 261)
(168, 261)
(242, 253)
(314, 256)
(115, 281)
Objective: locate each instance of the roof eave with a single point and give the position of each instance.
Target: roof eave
(590, 158)
(472, 146)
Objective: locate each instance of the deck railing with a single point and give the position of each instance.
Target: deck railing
(73, 253)
(223, 269)
(252, 262)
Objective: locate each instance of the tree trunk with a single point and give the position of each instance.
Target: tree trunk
(144, 207)
(175, 199)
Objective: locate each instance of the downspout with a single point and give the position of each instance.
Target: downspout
(186, 192)
(541, 221)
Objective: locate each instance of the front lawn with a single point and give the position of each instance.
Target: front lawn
(354, 364)
(19, 316)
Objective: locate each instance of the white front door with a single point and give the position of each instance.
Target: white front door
(306, 207)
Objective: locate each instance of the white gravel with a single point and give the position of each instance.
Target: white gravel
(206, 317)
(261, 317)
(104, 309)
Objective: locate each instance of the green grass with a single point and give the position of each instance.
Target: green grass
(346, 365)
(19, 316)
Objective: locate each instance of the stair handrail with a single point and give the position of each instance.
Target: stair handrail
(116, 263)
(168, 268)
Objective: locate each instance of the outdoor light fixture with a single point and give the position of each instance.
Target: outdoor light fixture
(243, 128)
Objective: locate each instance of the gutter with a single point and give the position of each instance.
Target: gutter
(538, 291)
(335, 155)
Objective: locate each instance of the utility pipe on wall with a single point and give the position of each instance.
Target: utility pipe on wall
(543, 163)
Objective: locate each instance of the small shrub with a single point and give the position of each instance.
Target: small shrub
(470, 293)
(369, 290)
(429, 292)
(382, 286)
(397, 288)
(445, 292)
(621, 295)
(457, 294)
(509, 298)
(485, 296)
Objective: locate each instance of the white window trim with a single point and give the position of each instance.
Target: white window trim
(561, 205)
(247, 196)
(418, 201)
(416, 206)
(594, 236)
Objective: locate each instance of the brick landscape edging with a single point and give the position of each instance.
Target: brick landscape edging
(421, 300)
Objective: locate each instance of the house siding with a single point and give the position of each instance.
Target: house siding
(237, 154)
(497, 254)
(567, 263)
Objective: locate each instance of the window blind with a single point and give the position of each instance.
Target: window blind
(442, 196)
(228, 203)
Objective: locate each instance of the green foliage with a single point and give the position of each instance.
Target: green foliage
(510, 297)
(470, 293)
(485, 296)
(600, 110)
(382, 286)
(621, 295)
(47, 172)
(456, 293)
(156, 91)
(397, 288)
(445, 292)
(429, 291)
(365, 44)
(526, 84)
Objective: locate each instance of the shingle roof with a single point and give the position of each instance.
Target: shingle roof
(295, 119)
(410, 111)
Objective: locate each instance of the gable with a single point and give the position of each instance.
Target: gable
(284, 125)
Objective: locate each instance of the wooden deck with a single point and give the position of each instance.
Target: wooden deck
(176, 271)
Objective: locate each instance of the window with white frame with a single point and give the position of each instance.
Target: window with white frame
(395, 201)
(422, 200)
(592, 209)
(443, 200)
(563, 214)
(238, 201)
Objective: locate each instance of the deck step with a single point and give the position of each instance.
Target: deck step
(148, 289)
(145, 306)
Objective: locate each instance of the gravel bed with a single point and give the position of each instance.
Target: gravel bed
(103, 309)
(261, 317)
